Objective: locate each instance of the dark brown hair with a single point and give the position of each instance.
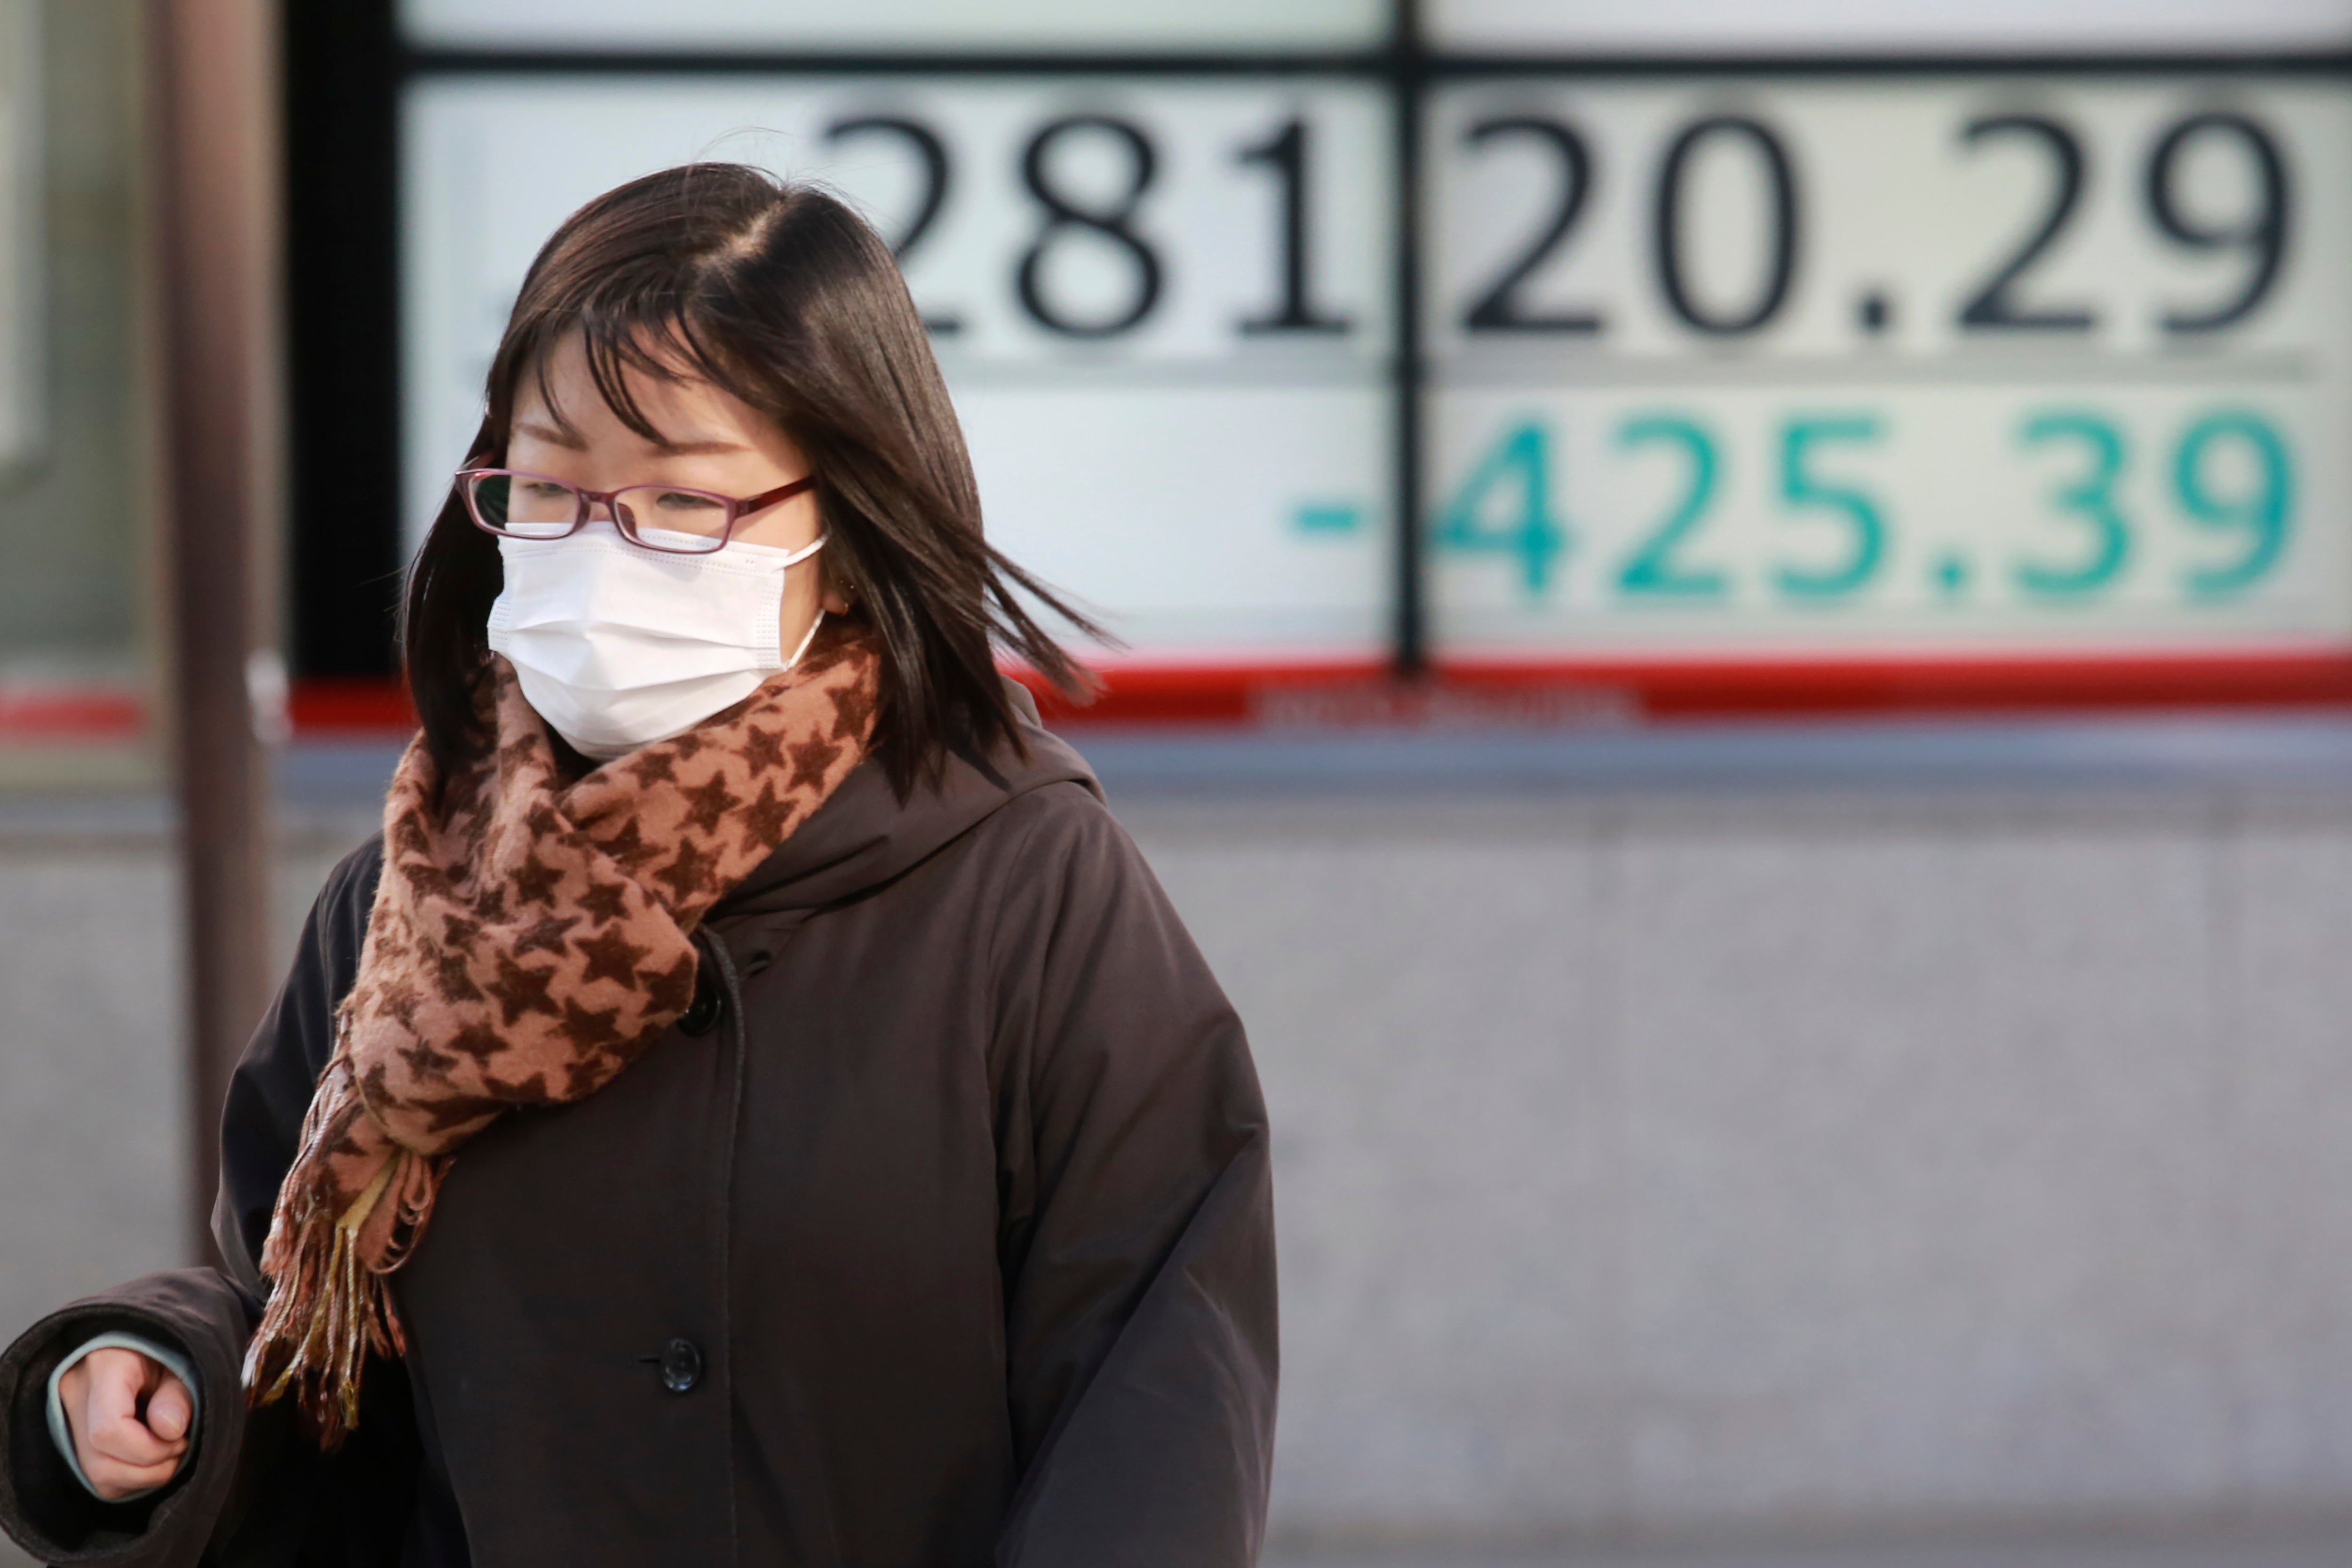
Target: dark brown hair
(781, 295)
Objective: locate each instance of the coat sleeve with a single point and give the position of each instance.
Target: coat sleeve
(1136, 1215)
(205, 1315)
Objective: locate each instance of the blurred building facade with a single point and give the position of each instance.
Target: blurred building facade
(78, 605)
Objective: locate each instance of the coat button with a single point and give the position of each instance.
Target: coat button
(681, 1366)
(702, 1014)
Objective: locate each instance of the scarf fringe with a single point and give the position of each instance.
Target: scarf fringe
(330, 1306)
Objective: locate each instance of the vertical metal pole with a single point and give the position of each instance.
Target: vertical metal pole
(212, 147)
(1407, 75)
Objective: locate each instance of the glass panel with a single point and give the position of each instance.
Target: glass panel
(1044, 26)
(1176, 396)
(1833, 367)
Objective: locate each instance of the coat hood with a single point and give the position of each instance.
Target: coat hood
(865, 835)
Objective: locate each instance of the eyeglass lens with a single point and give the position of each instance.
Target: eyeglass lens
(523, 507)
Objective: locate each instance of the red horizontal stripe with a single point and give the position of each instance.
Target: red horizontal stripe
(1573, 690)
(1758, 687)
(1516, 693)
(33, 715)
(330, 708)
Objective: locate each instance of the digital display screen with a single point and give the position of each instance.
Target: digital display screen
(1830, 358)
(1763, 365)
(1163, 308)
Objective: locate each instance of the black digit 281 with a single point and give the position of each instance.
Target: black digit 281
(1286, 153)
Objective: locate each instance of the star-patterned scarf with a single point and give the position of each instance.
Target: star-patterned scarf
(528, 938)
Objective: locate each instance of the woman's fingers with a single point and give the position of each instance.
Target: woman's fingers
(170, 1409)
(120, 1451)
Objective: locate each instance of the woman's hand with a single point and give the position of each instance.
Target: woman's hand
(130, 1420)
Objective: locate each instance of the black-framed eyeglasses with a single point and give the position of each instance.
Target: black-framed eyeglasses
(513, 504)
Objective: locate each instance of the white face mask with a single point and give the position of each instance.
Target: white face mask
(618, 646)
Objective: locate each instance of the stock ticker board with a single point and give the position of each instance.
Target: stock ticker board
(1793, 365)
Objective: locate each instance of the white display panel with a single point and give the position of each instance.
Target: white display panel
(1028, 25)
(1162, 426)
(1950, 365)
(1729, 28)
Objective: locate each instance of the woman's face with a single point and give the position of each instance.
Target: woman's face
(710, 440)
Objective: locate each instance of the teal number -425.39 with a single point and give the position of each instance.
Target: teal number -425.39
(2231, 476)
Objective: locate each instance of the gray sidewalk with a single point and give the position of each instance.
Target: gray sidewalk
(2331, 1550)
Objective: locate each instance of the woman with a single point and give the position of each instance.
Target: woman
(751, 1105)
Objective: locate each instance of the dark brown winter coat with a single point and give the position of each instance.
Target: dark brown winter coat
(937, 1233)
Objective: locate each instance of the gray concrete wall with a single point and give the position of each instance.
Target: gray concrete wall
(1725, 1164)
(1796, 1163)
(91, 1120)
